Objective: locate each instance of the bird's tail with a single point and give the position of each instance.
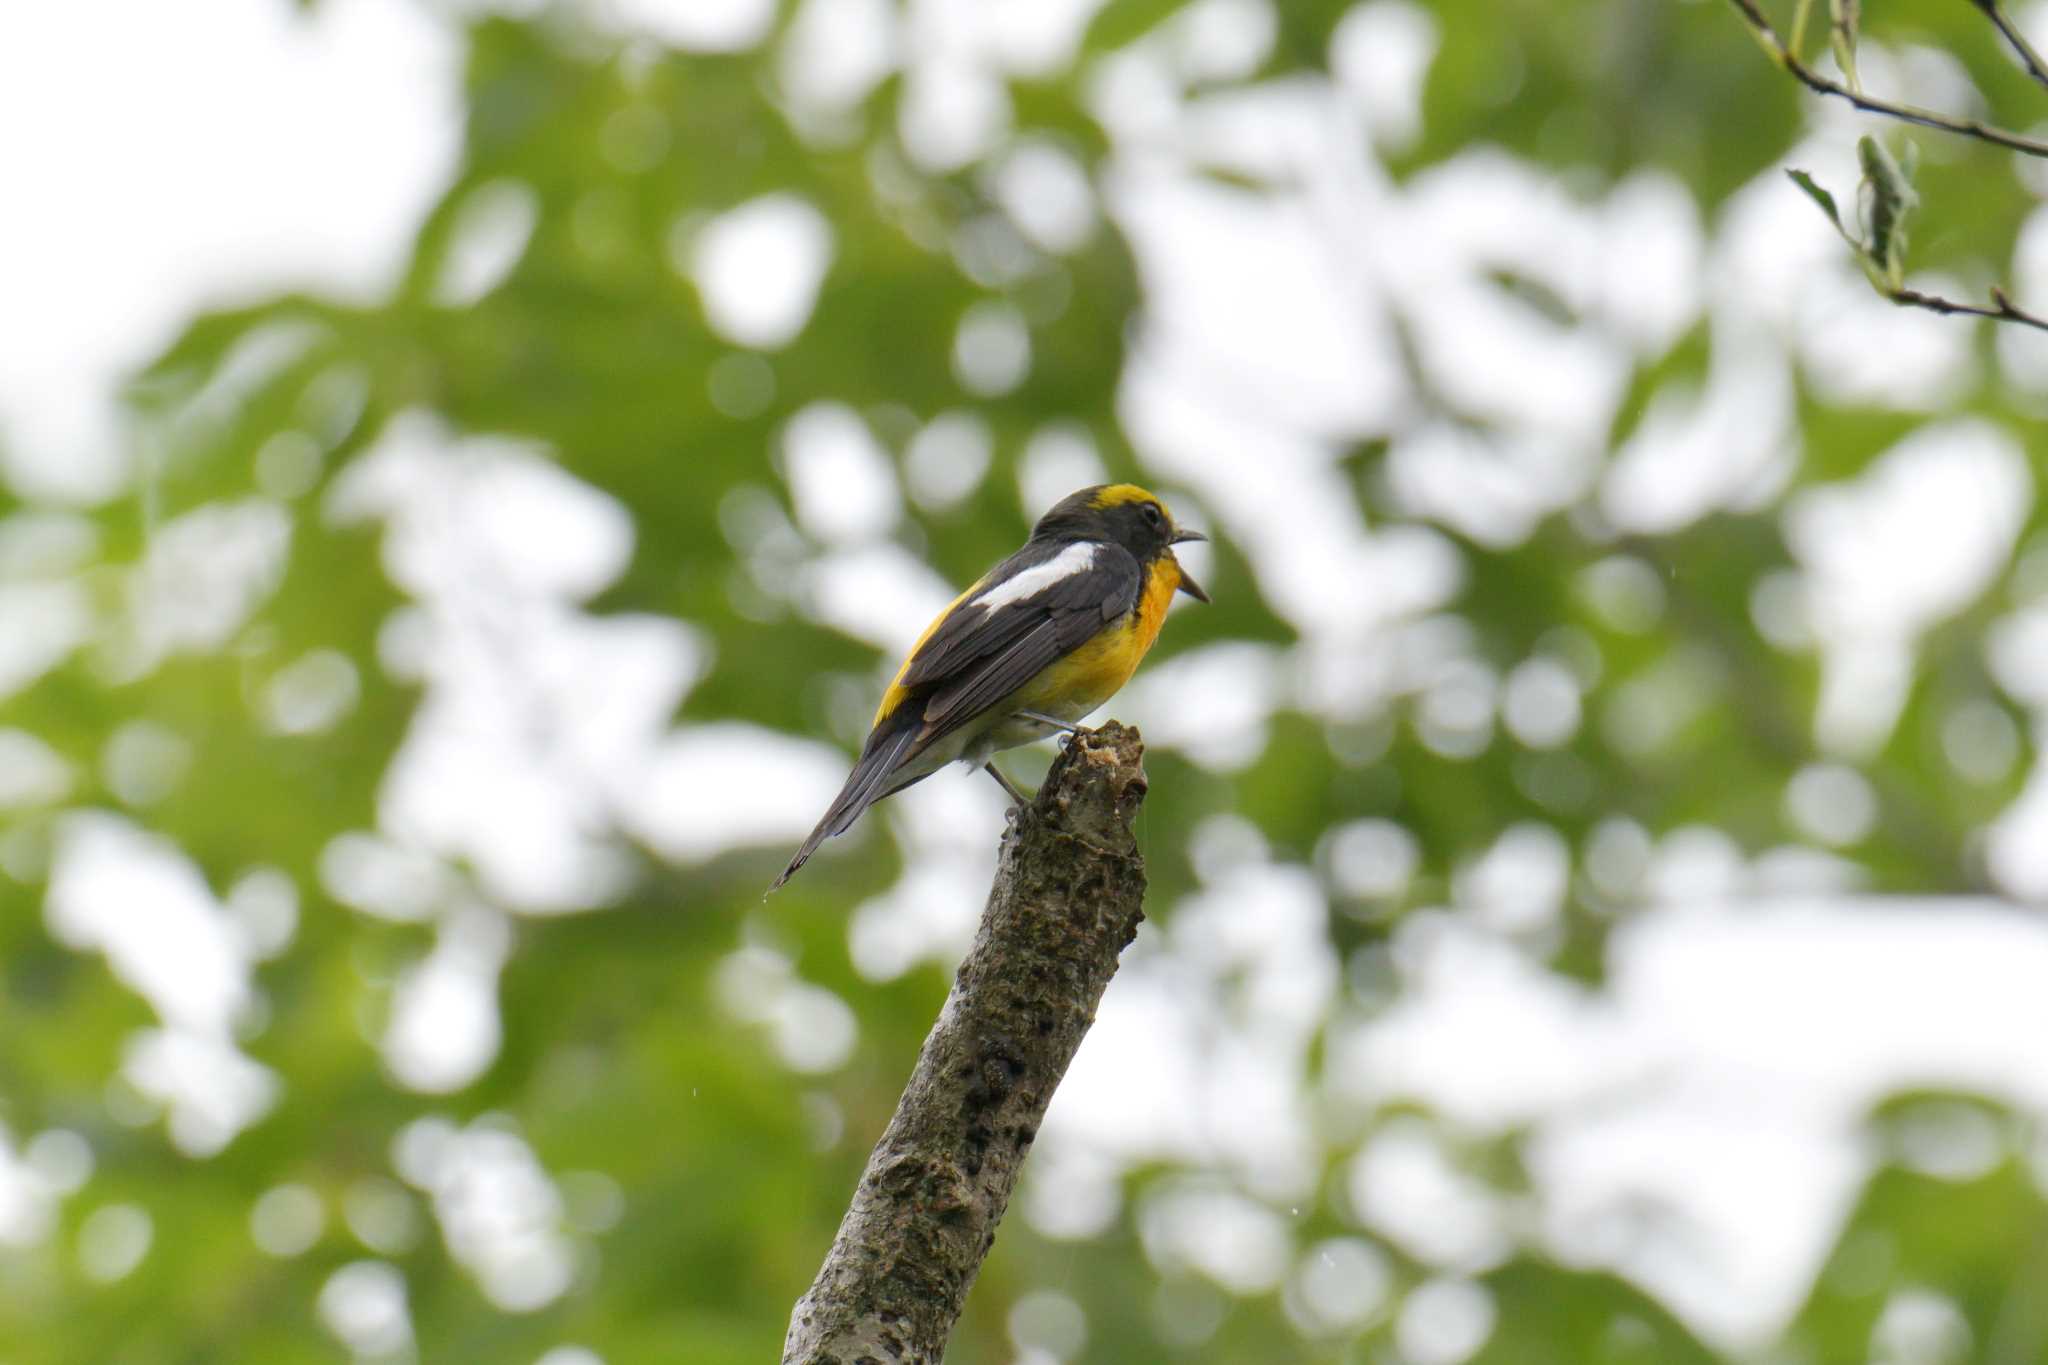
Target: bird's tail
(868, 783)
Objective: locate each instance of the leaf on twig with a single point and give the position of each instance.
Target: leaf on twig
(1821, 197)
(1888, 201)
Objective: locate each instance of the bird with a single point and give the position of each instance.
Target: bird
(1031, 647)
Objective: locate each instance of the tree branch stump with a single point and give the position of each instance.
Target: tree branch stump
(1068, 895)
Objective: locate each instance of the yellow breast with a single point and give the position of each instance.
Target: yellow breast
(1091, 674)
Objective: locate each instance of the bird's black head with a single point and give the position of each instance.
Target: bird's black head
(1122, 514)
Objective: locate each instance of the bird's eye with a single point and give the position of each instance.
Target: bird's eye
(1153, 514)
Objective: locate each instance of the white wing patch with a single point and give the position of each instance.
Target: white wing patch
(1075, 559)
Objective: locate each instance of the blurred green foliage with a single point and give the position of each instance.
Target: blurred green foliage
(616, 1056)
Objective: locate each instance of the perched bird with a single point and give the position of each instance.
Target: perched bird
(1035, 644)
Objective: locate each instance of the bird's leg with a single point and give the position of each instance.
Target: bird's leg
(1044, 719)
(997, 773)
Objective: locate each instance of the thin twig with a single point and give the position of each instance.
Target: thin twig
(2002, 309)
(2017, 40)
(1905, 113)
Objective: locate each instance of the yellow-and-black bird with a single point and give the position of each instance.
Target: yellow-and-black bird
(1034, 645)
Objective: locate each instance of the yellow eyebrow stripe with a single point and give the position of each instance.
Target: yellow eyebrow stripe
(1118, 494)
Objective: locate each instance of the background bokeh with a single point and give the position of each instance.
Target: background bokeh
(467, 470)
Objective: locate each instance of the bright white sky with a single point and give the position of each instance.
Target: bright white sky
(222, 152)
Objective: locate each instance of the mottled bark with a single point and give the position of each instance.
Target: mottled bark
(1068, 895)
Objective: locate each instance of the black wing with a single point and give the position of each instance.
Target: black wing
(999, 638)
(1024, 614)
(964, 636)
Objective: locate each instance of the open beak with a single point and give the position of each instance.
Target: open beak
(1187, 584)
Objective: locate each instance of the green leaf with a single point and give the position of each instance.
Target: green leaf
(1888, 201)
(1123, 21)
(1819, 196)
(1795, 33)
(1548, 1315)
(1845, 16)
